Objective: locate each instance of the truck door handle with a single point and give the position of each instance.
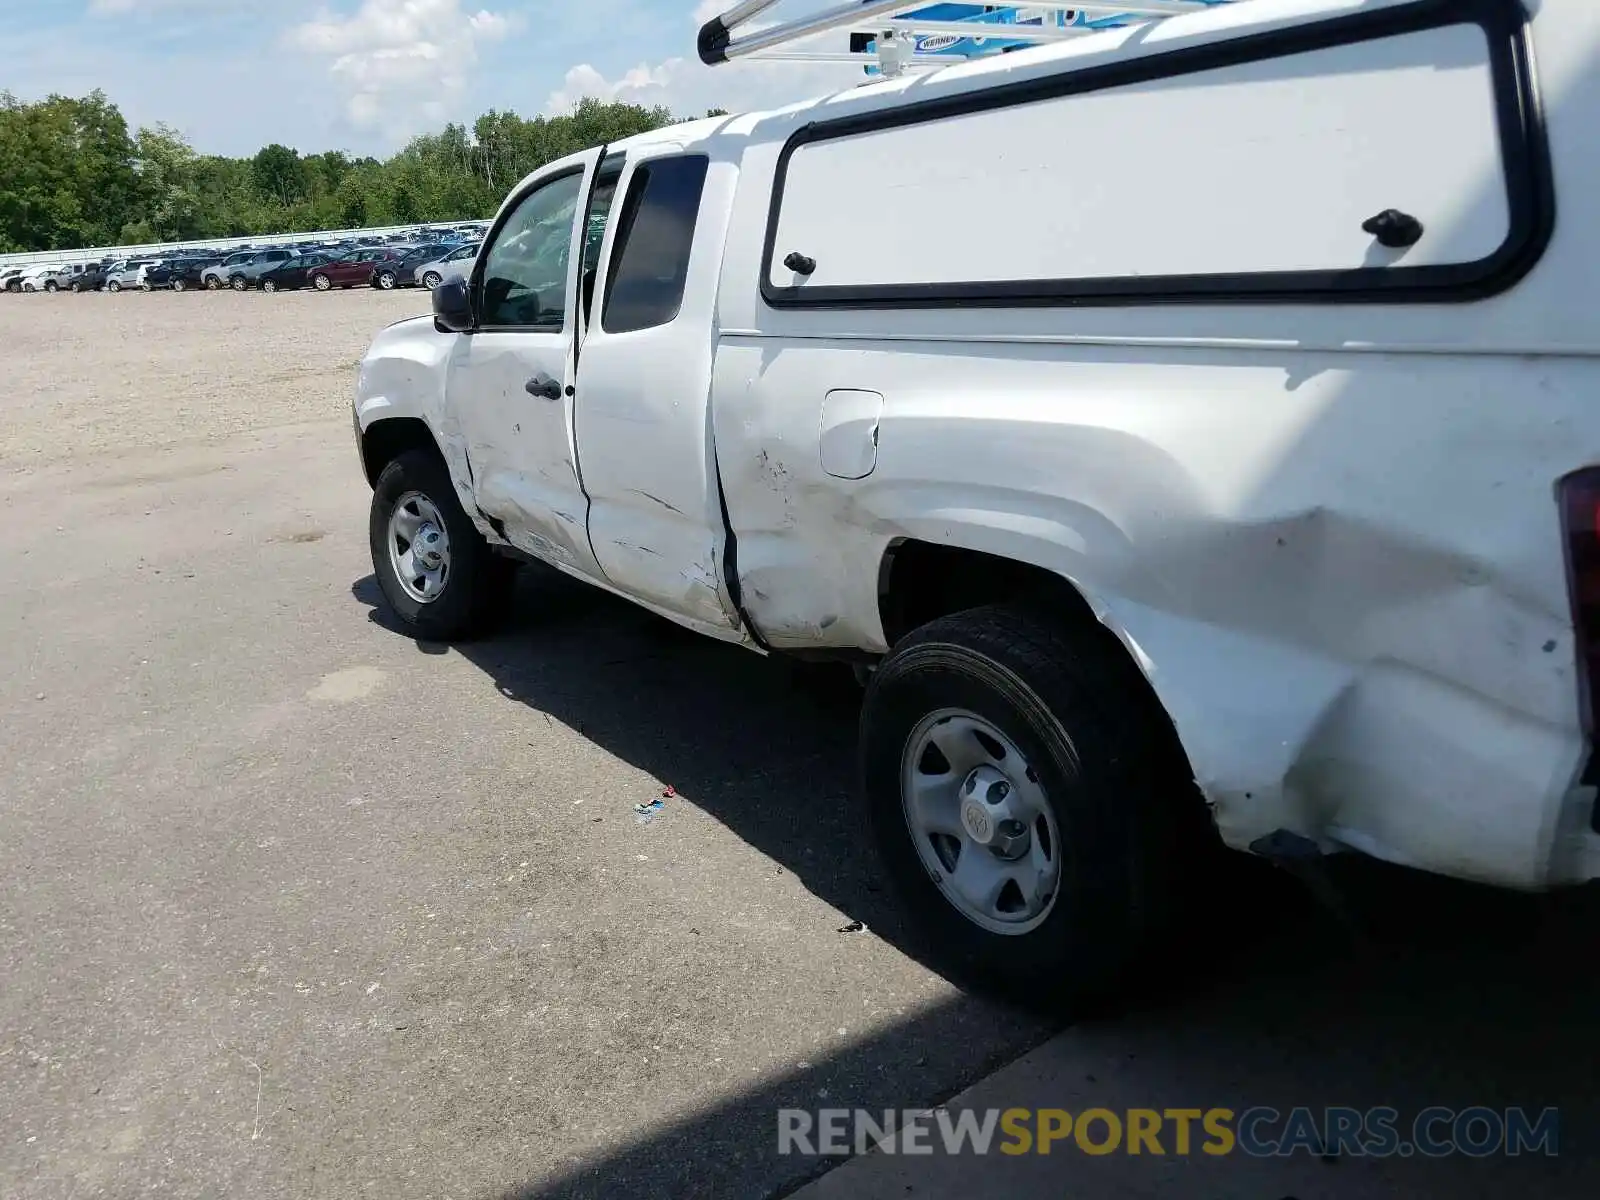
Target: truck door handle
(543, 386)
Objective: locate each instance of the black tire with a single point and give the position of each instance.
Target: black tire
(477, 590)
(179, 285)
(213, 284)
(321, 282)
(50, 285)
(113, 286)
(269, 285)
(385, 280)
(76, 287)
(238, 283)
(432, 280)
(1073, 704)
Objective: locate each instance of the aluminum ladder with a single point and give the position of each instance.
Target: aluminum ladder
(890, 36)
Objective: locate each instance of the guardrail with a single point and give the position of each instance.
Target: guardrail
(96, 253)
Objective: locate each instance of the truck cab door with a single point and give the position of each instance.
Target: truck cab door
(509, 381)
(643, 390)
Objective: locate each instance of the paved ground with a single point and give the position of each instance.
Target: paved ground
(291, 905)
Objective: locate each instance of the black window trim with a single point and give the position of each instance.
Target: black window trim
(626, 216)
(602, 172)
(475, 283)
(1525, 160)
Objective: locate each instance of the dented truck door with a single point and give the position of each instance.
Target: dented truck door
(509, 382)
(644, 379)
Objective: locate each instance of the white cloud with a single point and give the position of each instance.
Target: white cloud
(402, 64)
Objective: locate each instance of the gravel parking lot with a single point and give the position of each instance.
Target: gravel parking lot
(293, 906)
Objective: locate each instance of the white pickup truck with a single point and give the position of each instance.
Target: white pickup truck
(1192, 429)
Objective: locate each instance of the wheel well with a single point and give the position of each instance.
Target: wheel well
(385, 441)
(921, 582)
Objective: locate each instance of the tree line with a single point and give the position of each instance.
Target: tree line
(72, 174)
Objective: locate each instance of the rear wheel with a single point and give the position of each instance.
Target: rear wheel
(237, 283)
(321, 282)
(269, 285)
(439, 576)
(75, 287)
(1027, 800)
(432, 280)
(179, 285)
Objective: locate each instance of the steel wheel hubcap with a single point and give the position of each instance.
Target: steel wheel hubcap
(980, 822)
(419, 547)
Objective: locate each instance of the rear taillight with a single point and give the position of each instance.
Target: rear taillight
(1580, 527)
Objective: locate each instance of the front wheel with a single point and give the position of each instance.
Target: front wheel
(269, 285)
(321, 282)
(1021, 791)
(386, 280)
(237, 283)
(52, 286)
(113, 286)
(439, 576)
(76, 287)
(432, 280)
(213, 284)
(178, 285)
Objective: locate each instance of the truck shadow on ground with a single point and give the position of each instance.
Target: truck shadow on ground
(1456, 995)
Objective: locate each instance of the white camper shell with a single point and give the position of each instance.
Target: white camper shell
(1191, 425)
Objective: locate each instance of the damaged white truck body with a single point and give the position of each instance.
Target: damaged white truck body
(1194, 423)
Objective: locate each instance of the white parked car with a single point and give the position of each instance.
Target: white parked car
(44, 277)
(457, 262)
(1192, 431)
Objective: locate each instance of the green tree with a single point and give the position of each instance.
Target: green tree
(280, 174)
(168, 178)
(71, 175)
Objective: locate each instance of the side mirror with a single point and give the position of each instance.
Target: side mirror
(452, 306)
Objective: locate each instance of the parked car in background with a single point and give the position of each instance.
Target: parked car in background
(351, 269)
(91, 279)
(125, 274)
(242, 276)
(41, 278)
(293, 272)
(388, 268)
(159, 273)
(216, 275)
(457, 262)
(189, 272)
(11, 278)
(60, 277)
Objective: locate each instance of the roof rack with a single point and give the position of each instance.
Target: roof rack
(889, 36)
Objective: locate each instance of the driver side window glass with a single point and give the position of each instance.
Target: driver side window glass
(525, 269)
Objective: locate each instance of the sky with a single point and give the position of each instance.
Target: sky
(365, 75)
